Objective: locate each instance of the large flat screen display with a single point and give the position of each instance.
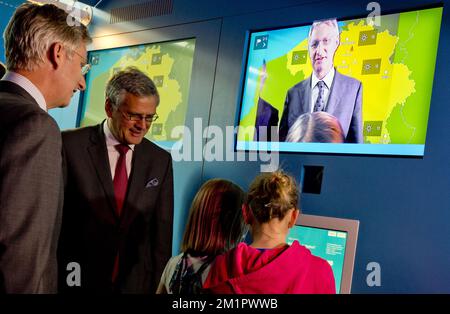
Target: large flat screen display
(345, 86)
(168, 64)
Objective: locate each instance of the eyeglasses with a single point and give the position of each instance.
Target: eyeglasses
(84, 68)
(138, 117)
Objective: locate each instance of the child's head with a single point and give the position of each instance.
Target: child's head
(215, 222)
(272, 195)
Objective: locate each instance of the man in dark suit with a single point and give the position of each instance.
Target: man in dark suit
(118, 210)
(326, 89)
(44, 57)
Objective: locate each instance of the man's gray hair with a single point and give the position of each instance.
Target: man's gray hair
(129, 80)
(33, 29)
(330, 22)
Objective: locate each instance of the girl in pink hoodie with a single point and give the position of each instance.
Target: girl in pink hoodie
(269, 264)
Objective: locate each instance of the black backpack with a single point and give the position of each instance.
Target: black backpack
(185, 280)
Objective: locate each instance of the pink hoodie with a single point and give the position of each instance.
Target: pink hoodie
(246, 270)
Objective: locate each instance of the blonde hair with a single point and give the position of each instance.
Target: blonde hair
(272, 195)
(33, 29)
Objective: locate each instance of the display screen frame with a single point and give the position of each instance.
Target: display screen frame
(84, 102)
(416, 151)
(351, 228)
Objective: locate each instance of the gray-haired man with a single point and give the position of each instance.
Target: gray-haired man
(118, 207)
(45, 59)
(326, 89)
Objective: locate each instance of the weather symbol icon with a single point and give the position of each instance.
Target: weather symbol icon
(367, 38)
(261, 42)
(299, 57)
(371, 66)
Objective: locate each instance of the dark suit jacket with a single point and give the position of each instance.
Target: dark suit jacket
(92, 233)
(266, 116)
(344, 102)
(30, 193)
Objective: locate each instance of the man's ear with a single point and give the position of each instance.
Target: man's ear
(294, 216)
(108, 108)
(56, 54)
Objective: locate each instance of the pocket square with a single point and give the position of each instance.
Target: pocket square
(153, 182)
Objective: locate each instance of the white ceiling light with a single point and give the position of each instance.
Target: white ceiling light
(79, 12)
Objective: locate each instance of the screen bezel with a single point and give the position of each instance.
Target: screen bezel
(351, 227)
(266, 146)
(206, 35)
(82, 106)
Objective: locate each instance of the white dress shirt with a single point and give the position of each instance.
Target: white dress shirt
(113, 154)
(26, 84)
(328, 80)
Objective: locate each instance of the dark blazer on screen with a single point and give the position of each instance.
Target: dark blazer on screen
(344, 102)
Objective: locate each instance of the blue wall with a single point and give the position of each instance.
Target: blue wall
(403, 204)
(7, 8)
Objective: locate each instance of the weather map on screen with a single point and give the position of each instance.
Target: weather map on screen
(395, 63)
(327, 244)
(168, 64)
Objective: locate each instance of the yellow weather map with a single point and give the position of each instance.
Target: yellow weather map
(159, 67)
(168, 64)
(396, 74)
(381, 92)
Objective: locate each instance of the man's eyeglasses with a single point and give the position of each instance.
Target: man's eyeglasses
(85, 67)
(137, 117)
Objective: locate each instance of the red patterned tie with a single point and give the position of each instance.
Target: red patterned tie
(121, 177)
(120, 190)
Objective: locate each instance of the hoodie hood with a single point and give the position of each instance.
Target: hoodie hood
(290, 269)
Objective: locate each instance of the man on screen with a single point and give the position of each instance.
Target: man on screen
(326, 89)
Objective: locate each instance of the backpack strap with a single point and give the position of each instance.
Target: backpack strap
(179, 268)
(205, 264)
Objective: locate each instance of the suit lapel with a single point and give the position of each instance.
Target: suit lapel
(335, 95)
(99, 157)
(307, 97)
